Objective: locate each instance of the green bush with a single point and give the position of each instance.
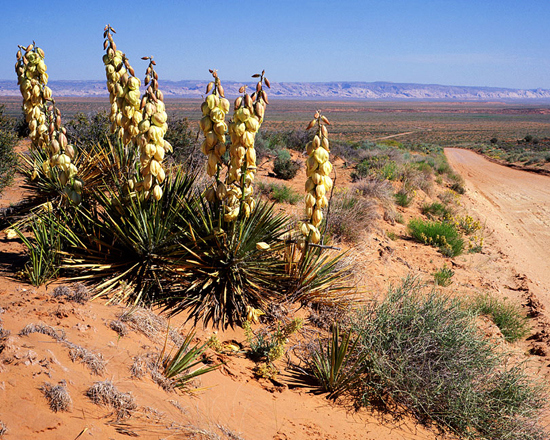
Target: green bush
(284, 167)
(506, 316)
(184, 142)
(436, 210)
(438, 234)
(404, 198)
(85, 131)
(443, 277)
(278, 192)
(426, 357)
(8, 158)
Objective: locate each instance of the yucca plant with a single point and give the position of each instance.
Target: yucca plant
(43, 247)
(318, 277)
(335, 364)
(178, 367)
(129, 243)
(231, 269)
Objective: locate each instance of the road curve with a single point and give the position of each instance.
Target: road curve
(516, 206)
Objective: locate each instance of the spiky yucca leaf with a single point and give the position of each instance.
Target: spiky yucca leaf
(335, 366)
(225, 274)
(130, 243)
(177, 367)
(317, 277)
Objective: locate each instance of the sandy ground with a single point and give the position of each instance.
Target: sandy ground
(515, 206)
(513, 264)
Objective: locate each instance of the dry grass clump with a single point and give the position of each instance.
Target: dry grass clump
(106, 394)
(373, 188)
(119, 327)
(78, 293)
(3, 428)
(58, 335)
(58, 396)
(94, 361)
(350, 215)
(148, 323)
(149, 363)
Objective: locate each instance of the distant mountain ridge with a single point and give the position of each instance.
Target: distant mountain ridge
(302, 90)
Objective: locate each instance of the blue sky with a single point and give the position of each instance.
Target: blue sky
(499, 43)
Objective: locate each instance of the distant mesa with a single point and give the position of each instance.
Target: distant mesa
(314, 90)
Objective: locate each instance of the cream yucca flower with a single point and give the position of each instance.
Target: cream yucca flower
(248, 116)
(44, 119)
(318, 183)
(151, 128)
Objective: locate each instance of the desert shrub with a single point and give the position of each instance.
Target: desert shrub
(268, 346)
(284, 167)
(350, 215)
(426, 357)
(436, 210)
(279, 193)
(507, 316)
(439, 234)
(443, 277)
(184, 143)
(8, 140)
(87, 130)
(458, 188)
(381, 166)
(404, 197)
(373, 188)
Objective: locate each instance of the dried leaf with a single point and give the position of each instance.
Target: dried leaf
(238, 102)
(310, 125)
(242, 89)
(317, 114)
(221, 90)
(143, 102)
(106, 27)
(264, 97)
(209, 86)
(267, 83)
(156, 75)
(263, 72)
(325, 120)
(210, 70)
(144, 58)
(114, 46)
(153, 62)
(105, 44)
(259, 86)
(131, 70)
(247, 100)
(256, 75)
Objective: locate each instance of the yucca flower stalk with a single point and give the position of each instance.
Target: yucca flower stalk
(47, 134)
(214, 110)
(319, 182)
(123, 87)
(247, 118)
(152, 129)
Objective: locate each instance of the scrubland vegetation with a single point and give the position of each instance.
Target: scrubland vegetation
(131, 212)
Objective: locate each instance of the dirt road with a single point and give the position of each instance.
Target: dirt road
(516, 208)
